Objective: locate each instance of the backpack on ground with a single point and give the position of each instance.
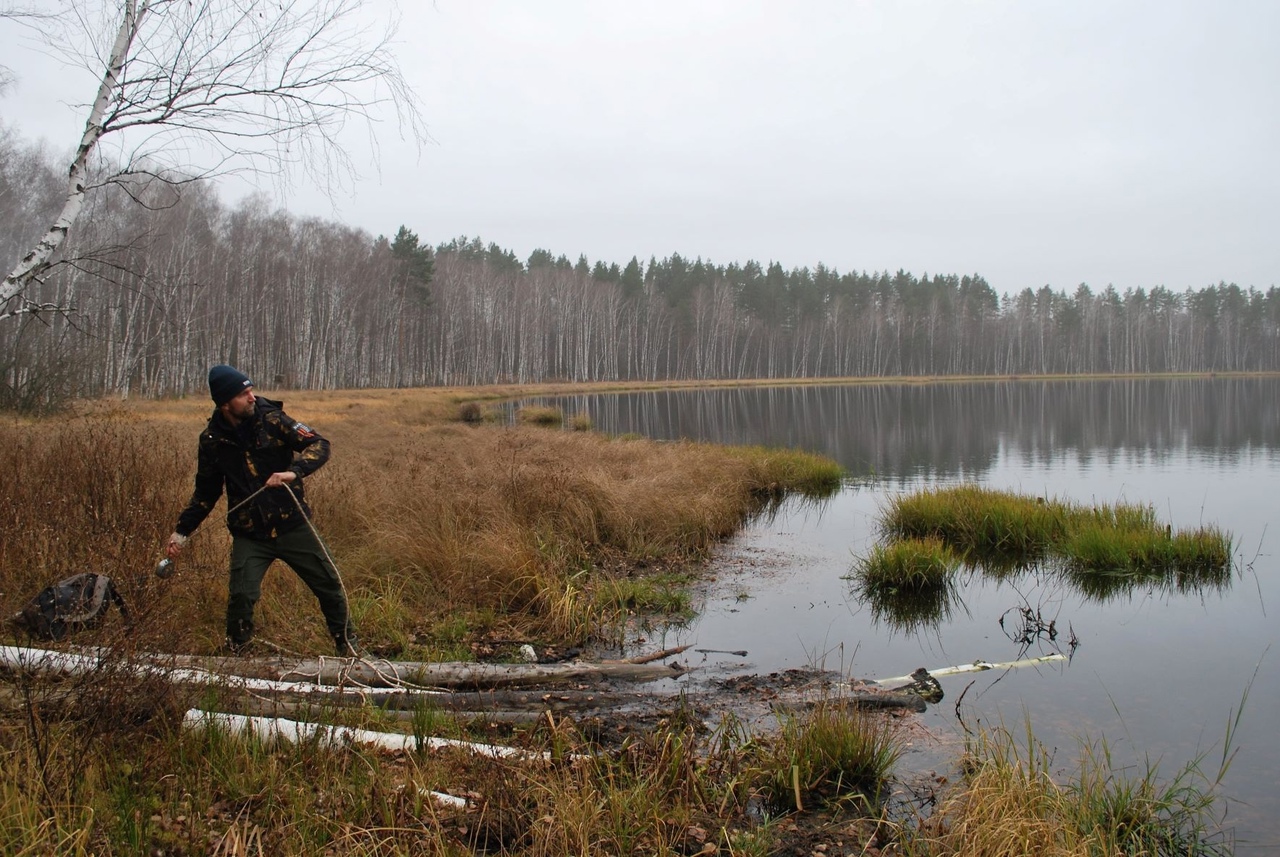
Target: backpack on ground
(70, 605)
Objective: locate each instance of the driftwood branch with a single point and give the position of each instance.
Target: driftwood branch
(656, 656)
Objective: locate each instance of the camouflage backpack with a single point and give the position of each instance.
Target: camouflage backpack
(69, 605)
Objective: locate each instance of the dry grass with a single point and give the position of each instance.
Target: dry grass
(509, 529)
(1011, 805)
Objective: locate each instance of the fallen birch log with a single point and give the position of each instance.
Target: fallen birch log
(75, 664)
(277, 707)
(308, 693)
(479, 702)
(976, 666)
(383, 673)
(297, 731)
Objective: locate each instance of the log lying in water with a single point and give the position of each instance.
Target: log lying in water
(976, 666)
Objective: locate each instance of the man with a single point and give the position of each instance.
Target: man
(260, 455)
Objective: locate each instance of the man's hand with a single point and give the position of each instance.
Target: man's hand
(284, 477)
(175, 545)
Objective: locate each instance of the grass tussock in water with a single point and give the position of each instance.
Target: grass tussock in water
(977, 521)
(909, 583)
(1000, 528)
(1011, 803)
(911, 565)
(540, 415)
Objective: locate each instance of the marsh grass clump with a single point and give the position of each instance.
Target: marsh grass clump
(909, 583)
(1142, 813)
(581, 421)
(540, 415)
(1133, 543)
(778, 471)
(1011, 803)
(836, 753)
(978, 522)
(664, 594)
(1000, 530)
(911, 565)
(471, 412)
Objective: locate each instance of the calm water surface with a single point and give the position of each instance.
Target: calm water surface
(1157, 672)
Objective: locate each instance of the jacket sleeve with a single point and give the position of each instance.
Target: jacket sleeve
(310, 450)
(208, 489)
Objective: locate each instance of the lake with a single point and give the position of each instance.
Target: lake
(1157, 671)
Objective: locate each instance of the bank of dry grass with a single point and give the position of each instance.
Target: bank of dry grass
(444, 531)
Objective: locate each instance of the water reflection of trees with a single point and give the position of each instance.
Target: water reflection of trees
(961, 429)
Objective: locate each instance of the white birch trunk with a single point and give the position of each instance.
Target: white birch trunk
(38, 259)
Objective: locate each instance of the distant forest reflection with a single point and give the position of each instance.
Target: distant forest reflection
(960, 429)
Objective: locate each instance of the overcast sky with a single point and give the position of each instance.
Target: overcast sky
(1033, 142)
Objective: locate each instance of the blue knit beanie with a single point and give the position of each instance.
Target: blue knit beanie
(227, 382)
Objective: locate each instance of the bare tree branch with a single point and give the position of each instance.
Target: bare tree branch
(190, 89)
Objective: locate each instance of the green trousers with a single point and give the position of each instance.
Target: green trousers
(298, 549)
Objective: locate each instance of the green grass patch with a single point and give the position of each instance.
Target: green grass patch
(836, 753)
(778, 471)
(909, 583)
(908, 565)
(981, 523)
(664, 594)
(998, 530)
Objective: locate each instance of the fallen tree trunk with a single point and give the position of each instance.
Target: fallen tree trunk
(387, 674)
(297, 731)
(976, 666)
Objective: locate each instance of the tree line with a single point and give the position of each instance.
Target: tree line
(156, 292)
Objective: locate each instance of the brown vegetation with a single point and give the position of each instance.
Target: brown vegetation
(445, 532)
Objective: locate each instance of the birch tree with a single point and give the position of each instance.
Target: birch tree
(189, 89)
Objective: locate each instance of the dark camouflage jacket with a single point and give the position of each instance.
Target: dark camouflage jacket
(241, 458)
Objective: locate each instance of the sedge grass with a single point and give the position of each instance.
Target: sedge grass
(834, 753)
(908, 565)
(909, 583)
(1011, 803)
(977, 521)
(1112, 543)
